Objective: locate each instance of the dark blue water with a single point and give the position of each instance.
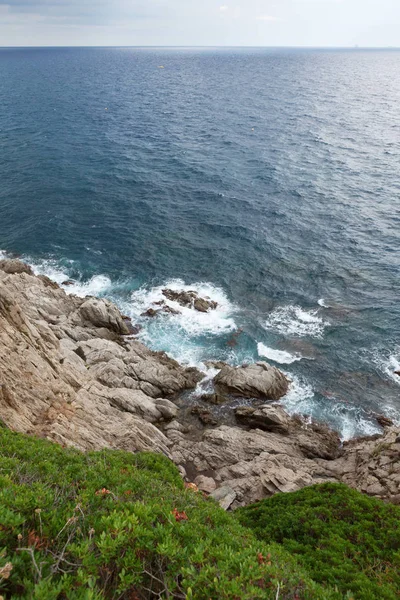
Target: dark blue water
(269, 179)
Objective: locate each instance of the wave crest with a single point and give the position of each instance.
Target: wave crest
(295, 321)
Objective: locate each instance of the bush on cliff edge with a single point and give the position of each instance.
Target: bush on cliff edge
(343, 538)
(116, 525)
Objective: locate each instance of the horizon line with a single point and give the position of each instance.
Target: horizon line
(353, 47)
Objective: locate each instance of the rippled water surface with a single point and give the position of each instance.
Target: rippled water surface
(268, 180)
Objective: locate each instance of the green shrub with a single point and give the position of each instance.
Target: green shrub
(342, 537)
(116, 525)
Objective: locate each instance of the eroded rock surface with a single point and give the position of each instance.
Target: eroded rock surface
(69, 372)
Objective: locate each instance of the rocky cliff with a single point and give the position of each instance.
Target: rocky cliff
(70, 371)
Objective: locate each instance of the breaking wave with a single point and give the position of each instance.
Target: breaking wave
(278, 356)
(295, 321)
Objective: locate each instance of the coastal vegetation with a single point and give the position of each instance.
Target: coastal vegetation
(342, 537)
(118, 525)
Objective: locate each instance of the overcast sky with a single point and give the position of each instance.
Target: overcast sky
(200, 22)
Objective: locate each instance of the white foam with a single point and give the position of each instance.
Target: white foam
(193, 322)
(206, 384)
(321, 302)
(278, 356)
(300, 397)
(392, 365)
(353, 425)
(388, 363)
(178, 334)
(295, 321)
(95, 286)
(349, 421)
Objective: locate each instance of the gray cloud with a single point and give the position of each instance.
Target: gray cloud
(204, 22)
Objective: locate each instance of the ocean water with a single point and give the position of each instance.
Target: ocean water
(267, 179)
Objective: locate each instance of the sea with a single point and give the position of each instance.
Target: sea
(267, 179)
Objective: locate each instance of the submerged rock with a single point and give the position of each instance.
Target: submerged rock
(153, 312)
(205, 416)
(213, 398)
(259, 380)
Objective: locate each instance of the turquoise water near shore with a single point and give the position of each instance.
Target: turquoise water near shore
(267, 179)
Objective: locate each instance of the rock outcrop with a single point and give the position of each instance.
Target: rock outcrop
(67, 373)
(70, 372)
(190, 299)
(259, 380)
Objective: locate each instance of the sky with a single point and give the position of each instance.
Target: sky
(200, 23)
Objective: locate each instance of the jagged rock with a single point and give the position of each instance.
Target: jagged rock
(14, 266)
(269, 418)
(203, 305)
(168, 409)
(205, 416)
(316, 440)
(48, 282)
(102, 313)
(152, 312)
(384, 421)
(67, 374)
(68, 282)
(205, 484)
(259, 380)
(224, 496)
(190, 299)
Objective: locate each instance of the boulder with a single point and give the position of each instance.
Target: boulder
(268, 418)
(205, 484)
(14, 267)
(102, 313)
(259, 380)
(168, 409)
(224, 495)
(205, 416)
